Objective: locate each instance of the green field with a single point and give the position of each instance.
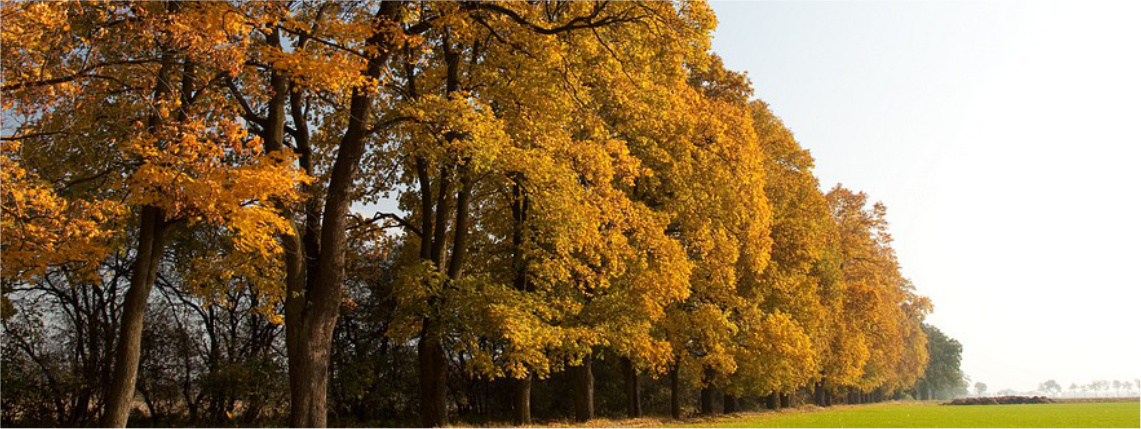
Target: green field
(1115, 414)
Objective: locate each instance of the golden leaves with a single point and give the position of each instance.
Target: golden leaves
(189, 171)
(43, 229)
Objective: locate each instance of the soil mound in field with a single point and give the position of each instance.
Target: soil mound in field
(1001, 400)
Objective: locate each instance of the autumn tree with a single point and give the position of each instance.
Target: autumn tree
(878, 303)
(122, 103)
(507, 153)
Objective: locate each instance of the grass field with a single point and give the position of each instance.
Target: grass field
(897, 415)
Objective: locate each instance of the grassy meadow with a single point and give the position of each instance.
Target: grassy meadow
(900, 415)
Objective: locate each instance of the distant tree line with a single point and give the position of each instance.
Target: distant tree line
(1093, 388)
(593, 219)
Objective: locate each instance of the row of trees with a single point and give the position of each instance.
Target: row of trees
(1114, 387)
(582, 187)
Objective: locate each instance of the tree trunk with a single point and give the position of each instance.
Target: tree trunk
(433, 381)
(707, 401)
(521, 400)
(633, 394)
(773, 401)
(521, 390)
(785, 400)
(730, 404)
(148, 256)
(583, 391)
(315, 318)
(675, 393)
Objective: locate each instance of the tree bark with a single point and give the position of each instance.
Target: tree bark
(148, 256)
(316, 317)
(521, 388)
(675, 393)
(707, 401)
(773, 401)
(521, 400)
(729, 403)
(433, 380)
(633, 393)
(583, 391)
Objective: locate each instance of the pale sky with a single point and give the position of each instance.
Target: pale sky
(1005, 139)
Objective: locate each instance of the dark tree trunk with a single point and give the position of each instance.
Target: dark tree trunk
(583, 391)
(521, 400)
(433, 362)
(148, 256)
(521, 388)
(730, 404)
(314, 319)
(433, 381)
(773, 401)
(311, 319)
(707, 401)
(633, 393)
(675, 393)
(785, 400)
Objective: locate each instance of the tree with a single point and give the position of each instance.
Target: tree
(943, 377)
(980, 388)
(782, 319)
(184, 158)
(875, 294)
(1050, 387)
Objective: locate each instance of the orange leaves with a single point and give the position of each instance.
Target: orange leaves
(42, 229)
(128, 98)
(880, 309)
(215, 174)
(320, 71)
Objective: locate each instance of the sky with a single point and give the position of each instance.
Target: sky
(1004, 138)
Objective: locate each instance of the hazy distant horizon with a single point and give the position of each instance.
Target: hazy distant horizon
(1002, 137)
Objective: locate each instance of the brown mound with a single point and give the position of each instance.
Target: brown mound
(1001, 400)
